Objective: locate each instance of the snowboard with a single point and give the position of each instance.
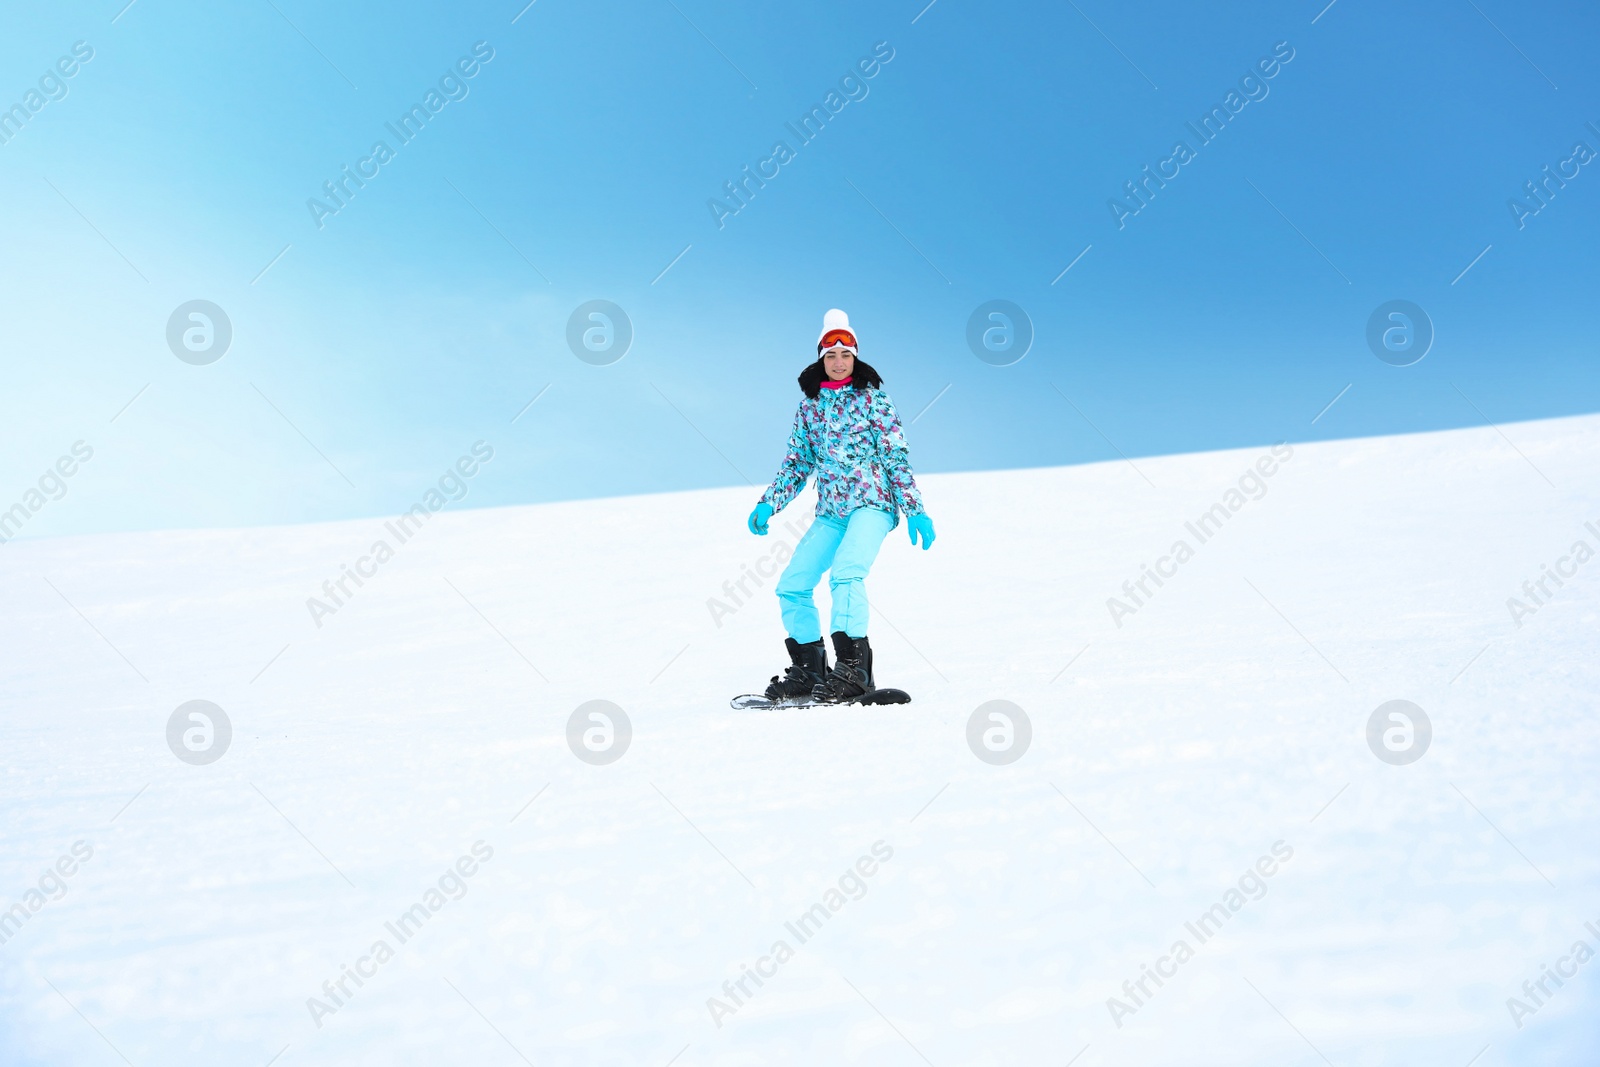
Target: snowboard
(758, 702)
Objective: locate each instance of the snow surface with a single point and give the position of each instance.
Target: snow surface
(1168, 755)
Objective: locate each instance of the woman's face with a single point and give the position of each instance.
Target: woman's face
(839, 363)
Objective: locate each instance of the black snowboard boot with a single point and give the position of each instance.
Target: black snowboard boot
(851, 676)
(807, 669)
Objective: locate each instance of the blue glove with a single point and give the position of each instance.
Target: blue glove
(920, 526)
(758, 519)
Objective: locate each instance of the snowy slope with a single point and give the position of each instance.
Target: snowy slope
(1226, 716)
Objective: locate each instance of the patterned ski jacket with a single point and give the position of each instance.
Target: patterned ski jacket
(851, 437)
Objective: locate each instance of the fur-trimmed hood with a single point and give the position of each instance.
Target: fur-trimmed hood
(863, 377)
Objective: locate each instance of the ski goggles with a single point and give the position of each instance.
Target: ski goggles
(837, 337)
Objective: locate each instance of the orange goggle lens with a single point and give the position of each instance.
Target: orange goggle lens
(837, 337)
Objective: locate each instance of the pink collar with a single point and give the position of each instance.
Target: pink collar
(831, 384)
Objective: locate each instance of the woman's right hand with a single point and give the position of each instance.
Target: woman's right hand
(758, 519)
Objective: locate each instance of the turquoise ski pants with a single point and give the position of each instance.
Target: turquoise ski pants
(845, 549)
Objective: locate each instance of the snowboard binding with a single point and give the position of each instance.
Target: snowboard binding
(851, 677)
(808, 668)
(808, 683)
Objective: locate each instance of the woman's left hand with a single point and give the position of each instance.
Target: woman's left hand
(920, 525)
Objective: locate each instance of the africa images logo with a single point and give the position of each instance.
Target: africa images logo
(1253, 86)
(451, 87)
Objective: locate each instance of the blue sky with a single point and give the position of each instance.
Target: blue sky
(578, 165)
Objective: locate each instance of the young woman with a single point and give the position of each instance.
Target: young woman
(847, 431)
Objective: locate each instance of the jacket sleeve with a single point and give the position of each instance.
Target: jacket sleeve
(796, 467)
(896, 454)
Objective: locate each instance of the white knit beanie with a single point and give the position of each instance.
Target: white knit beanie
(834, 319)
